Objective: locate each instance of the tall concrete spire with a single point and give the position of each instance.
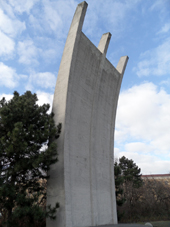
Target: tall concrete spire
(85, 102)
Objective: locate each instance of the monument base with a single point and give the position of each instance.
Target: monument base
(119, 225)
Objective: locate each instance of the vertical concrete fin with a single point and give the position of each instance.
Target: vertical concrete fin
(78, 19)
(122, 64)
(104, 42)
(83, 178)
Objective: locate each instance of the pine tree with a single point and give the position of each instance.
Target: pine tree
(127, 181)
(130, 171)
(119, 180)
(26, 153)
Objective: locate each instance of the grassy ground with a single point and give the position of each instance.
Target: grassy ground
(159, 223)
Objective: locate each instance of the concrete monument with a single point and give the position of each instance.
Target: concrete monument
(85, 102)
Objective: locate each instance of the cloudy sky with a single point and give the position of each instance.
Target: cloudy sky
(32, 38)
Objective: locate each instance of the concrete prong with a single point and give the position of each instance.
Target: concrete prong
(122, 64)
(104, 42)
(78, 19)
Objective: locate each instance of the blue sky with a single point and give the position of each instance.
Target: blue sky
(32, 39)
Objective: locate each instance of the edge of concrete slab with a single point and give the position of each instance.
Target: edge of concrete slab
(119, 225)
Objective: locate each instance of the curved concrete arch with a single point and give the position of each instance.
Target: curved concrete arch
(85, 102)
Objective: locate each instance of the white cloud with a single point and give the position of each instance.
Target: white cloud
(35, 23)
(144, 115)
(47, 52)
(148, 164)
(155, 62)
(44, 80)
(50, 55)
(6, 96)
(138, 147)
(19, 7)
(160, 5)
(116, 24)
(165, 28)
(7, 45)
(10, 26)
(45, 98)
(165, 82)
(143, 128)
(113, 8)
(54, 17)
(7, 8)
(8, 77)
(27, 52)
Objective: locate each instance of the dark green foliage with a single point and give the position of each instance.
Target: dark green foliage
(130, 171)
(127, 178)
(25, 157)
(119, 180)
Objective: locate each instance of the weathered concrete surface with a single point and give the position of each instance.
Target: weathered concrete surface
(120, 225)
(85, 102)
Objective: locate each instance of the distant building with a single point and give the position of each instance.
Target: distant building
(165, 178)
(156, 176)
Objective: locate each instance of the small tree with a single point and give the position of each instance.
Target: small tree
(130, 172)
(127, 181)
(119, 180)
(25, 158)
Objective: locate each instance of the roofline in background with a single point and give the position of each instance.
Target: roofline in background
(155, 175)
